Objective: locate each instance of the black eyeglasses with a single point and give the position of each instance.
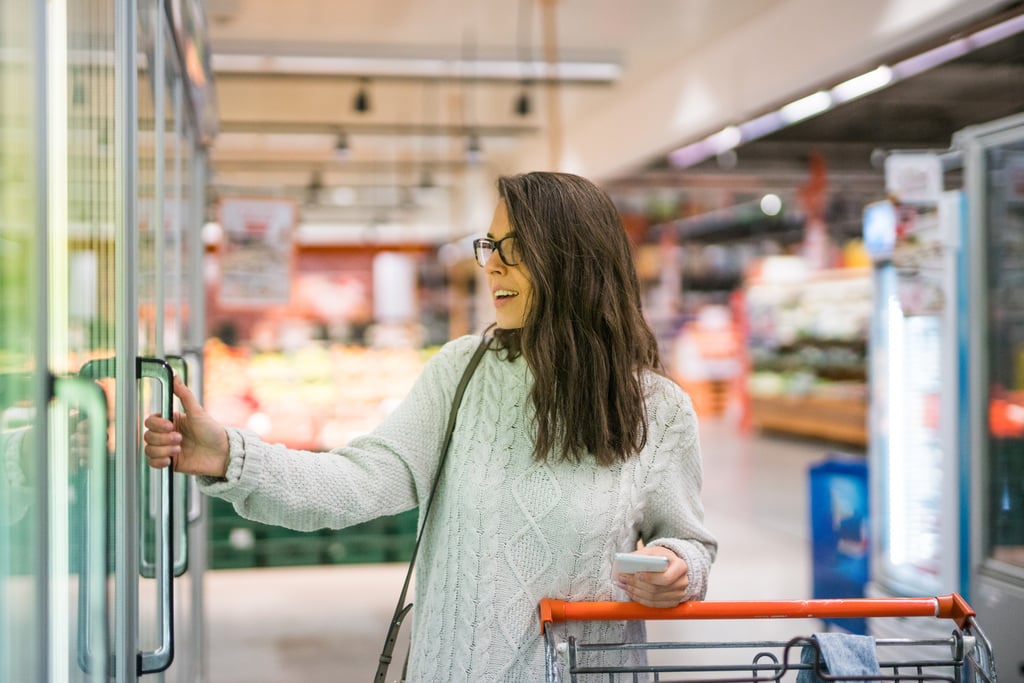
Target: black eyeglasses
(484, 247)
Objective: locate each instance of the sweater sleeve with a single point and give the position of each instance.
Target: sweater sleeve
(382, 473)
(674, 513)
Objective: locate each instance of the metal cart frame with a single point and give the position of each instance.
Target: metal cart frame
(965, 656)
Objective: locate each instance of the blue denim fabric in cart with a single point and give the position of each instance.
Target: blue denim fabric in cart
(842, 654)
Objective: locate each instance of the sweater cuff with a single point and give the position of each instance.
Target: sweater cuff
(12, 444)
(695, 563)
(244, 468)
(16, 495)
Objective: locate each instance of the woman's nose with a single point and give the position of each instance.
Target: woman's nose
(494, 261)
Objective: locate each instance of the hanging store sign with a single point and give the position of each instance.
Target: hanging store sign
(258, 251)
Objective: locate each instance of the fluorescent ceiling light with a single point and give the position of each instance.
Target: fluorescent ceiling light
(816, 103)
(987, 36)
(862, 85)
(771, 204)
(691, 154)
(725, 139)
(931, 58)
(806, 107)
(765, 124)
(399, 67)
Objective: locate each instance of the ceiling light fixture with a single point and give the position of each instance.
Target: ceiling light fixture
(725, 139)
(341, 146)
(418, 68)
(523, 105)
(474, 152)
(361, 103)
(426, 179)
(771, 205)
(316, 185)
(862, 85)
(524, 49)
(822, 100)
(806, 107)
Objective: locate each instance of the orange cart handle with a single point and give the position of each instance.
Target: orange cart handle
(951, 606)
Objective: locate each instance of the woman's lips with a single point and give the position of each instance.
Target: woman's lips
(502, 296)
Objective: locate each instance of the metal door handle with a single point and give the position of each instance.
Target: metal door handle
(183, 490)
(152, 368)
(160, 659)
(92, 581)
(194, 359)
(158, 369)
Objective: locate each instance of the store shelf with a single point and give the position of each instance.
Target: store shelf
(842, 420)
(807, 344)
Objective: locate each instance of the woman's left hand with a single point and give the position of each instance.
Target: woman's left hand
(657, 589)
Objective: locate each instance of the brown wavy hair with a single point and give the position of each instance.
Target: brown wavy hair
(585, 338)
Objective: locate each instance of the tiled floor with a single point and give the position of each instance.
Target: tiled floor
(315, 624)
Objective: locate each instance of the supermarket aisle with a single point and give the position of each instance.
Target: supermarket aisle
(327, 623)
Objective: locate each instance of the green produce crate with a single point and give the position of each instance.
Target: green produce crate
(354, 548)
(232, 543)
(238, 542)
(399, 548)
(218, 508)
(226, 555)
(289, 552)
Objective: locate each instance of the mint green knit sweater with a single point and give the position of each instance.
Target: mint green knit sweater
(505, 530)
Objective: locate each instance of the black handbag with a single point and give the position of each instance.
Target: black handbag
(402, 609)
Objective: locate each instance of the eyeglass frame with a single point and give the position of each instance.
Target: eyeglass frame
(495, 247)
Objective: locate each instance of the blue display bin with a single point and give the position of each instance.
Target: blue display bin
(840, 525)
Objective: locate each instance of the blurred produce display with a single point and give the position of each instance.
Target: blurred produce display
(317, 397)
(314, 398)
(807, 335)
(705, 360)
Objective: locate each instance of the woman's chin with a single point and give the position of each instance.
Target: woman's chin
(506, 325)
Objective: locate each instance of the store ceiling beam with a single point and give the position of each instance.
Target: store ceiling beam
(285, 165)
(379, 129)
(261, 64)
(407, 79)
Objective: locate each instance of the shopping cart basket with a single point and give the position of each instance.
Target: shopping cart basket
(965, 656)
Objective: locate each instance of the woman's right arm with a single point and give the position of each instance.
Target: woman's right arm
(384, 472)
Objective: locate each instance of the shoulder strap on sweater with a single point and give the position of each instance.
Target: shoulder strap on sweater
(402, 609)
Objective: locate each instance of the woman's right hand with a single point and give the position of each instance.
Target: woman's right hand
(193, 443)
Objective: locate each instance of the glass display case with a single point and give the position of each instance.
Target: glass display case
(1005, 312)
(994, 177)
(916, 238)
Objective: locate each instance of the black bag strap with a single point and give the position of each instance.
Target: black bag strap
(402, 609)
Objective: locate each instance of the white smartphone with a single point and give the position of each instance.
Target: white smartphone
(630, 563)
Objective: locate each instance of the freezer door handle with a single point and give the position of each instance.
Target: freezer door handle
(160, 659)
(89, 398)
(154, 368)
(183, 485)
(193, 359)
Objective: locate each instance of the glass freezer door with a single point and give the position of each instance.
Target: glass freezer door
(914, 456)
(994, 178)
(1004, 538)
(23, 597)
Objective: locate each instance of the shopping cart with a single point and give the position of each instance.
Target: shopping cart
(965, 656)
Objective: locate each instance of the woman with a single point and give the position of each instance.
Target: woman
(570, 446)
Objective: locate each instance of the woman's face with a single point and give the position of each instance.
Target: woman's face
(510, 286)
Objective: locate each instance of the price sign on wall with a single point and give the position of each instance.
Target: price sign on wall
(257, 256)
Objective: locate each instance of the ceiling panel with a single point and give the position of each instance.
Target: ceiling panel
(280, 133)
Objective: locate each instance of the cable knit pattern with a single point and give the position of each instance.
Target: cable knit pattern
(505, 530)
